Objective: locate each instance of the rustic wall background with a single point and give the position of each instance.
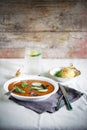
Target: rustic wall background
(58, 26)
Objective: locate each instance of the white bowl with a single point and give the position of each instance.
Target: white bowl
(32, 77)
(59, 79)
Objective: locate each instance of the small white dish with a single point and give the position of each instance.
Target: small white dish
(32, 77)
(59, 79)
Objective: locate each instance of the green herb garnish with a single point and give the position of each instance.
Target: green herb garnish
(58, 73)
(18, 90)
(24, 84)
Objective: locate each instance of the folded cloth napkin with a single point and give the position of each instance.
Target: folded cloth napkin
(50, 104)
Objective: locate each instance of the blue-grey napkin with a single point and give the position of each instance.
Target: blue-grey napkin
(50, 104)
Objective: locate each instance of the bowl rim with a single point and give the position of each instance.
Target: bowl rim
(54, 83)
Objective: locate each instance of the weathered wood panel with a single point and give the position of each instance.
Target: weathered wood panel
(57, 25)
(28, 16)
(54, 45)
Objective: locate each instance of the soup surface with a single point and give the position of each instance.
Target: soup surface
(31, 87)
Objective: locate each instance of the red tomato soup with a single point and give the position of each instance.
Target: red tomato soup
(31, 87)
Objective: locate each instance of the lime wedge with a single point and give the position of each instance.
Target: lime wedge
(34, 53)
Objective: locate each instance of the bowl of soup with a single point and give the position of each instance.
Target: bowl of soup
(31, 88)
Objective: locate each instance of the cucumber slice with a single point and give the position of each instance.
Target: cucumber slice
(39, 89)
(43, 90)
(38, 84)
(36, 88)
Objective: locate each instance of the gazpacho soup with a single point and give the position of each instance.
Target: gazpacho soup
(31, 87)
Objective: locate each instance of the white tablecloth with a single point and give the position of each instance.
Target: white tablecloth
(17, 117)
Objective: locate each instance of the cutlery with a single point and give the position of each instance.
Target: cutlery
(59, 102)
(69, 106)
(65, 94)
(9, 92)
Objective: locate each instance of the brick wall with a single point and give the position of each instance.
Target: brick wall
(59, 27)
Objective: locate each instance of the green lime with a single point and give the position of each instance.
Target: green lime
(34, 53)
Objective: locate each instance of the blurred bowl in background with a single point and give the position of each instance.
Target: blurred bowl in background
(66, 75)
